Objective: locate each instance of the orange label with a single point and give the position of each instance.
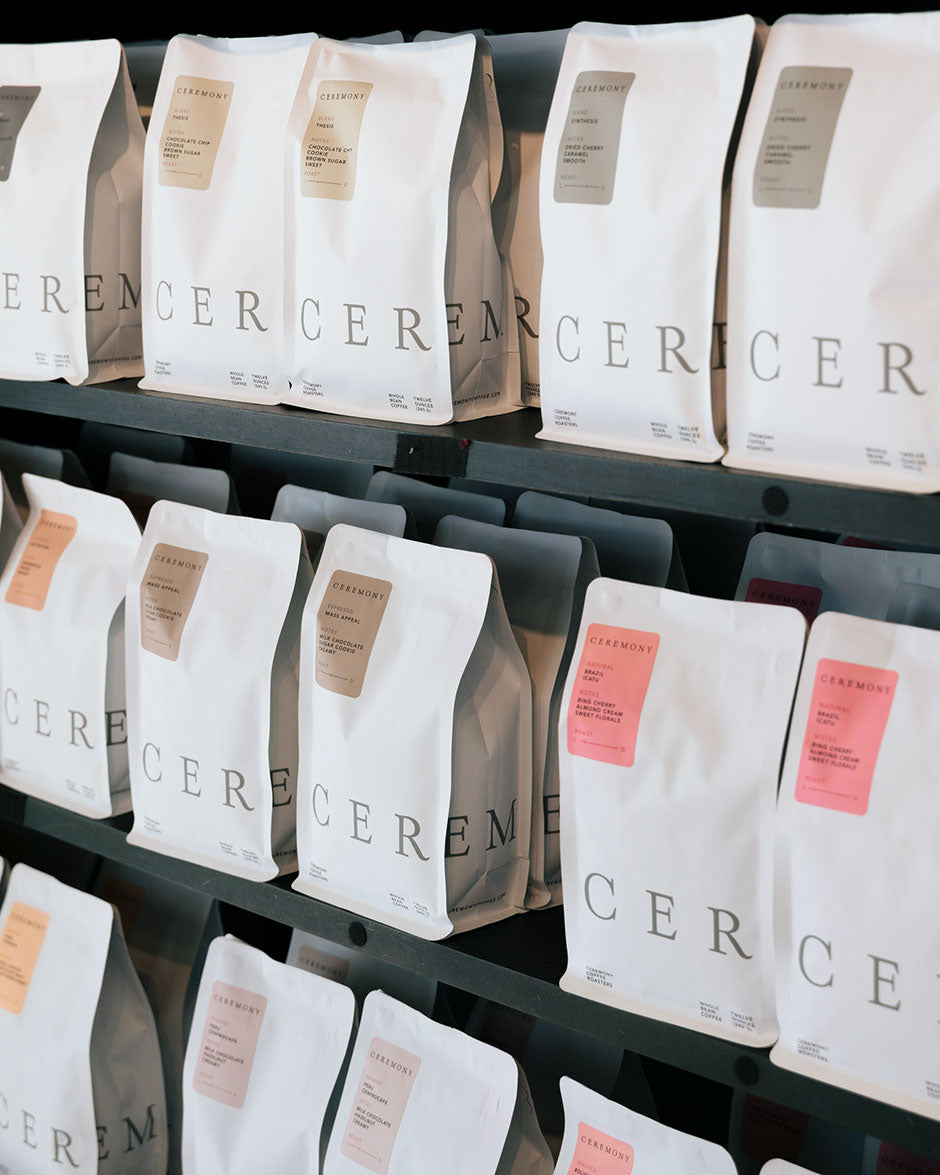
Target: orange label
(596, 1153)
(769, 1131)
(20, 944)
(30, 583)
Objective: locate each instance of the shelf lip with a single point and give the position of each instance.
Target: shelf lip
(500, 449)
(466, 962)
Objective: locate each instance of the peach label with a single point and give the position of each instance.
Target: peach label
(388, 1074)
(321, 963)
(596, 1153)
(20, 944)
(229, 1039)
(801, 596)
(30, 583)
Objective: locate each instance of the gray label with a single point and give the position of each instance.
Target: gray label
(15, 103)
(791, 163)
(590, 143)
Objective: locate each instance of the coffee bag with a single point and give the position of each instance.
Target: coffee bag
(427, 503)
(140, 483)
(315, 511)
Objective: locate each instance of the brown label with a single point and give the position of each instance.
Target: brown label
(229, 1039)
(30, 583)
(20, 944)
(193, 130)
(331, 144)
(590, 143)
(167, 592)
(347, 625)
(15, 103)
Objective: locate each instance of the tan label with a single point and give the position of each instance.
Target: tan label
(347, 625)
(167, 592)
(30, 583)
(20, 944)
(229, 1039)
(193, 131)
(321, 963)
(15, 103)
(590, 143)
(331, 144)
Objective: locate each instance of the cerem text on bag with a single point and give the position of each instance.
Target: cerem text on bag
(81, 1091)
(630, 210)
(63, 726)
(214, 604)
(673, 724)
(407, 646)
(856, 980)
(399, 304)
(833, 255)
(71, 160)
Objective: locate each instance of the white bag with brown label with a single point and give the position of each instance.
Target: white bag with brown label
(399, 304)
(673, 723)
(213, 242)
(832, 347)
(214, 612)
(71, 159)
(403, 637)
(63, 729)
(856, 981)
(266, 1049)
(81, 1091)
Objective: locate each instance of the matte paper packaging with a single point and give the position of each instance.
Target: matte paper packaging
(673, 724)
(543, 578)
(427, 504)
(71, 159)
(406, 645)
(760, 1130)
(834, 256)
(630, 208)
(446, 1102)
(525, 69)
(315, 511)
(782, 1167)
(604, 1138)
(214, 613)
(63, 726)
(399, 304)
(213, 312)
(10, 522)
(859, 786)
(140, 483)
(82, 1089)
(17, 459)
(265, 1051)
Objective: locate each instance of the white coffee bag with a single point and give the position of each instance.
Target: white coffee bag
(673, 723)
(214, 617)
(140, 483)
(399, 304)
(427, 503)
(856, 983)
(63, 728)
(81, 1090)
(315, 511)
(213, 245)
(630, 209)
(71, 155)
(832, 346)
(915, 603)
(265, 1051)
(10, 522)
(17, 459)
(407, 646)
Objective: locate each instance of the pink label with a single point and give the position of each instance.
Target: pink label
(895, 1160)
(384, 1087)
(801, 596)
(609, 691)
(228, 1044)
(769, 1131)
(596, 1153)
(847, 718)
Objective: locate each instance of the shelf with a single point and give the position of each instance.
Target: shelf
(516, 962)
(500, 449)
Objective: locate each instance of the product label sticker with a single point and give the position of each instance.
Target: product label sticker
(229, 1039)
(20, 944)
(322, 963)
(388, 1074)
(794, 152)
(609, 691)
(167, 592)
(330, 150)
(590, 143)
(801, 596)
(15, 104)
(193, 131)
(897, 1160)
(848, 713)
(769, 1131)
(596, 1153)
(33, 575)
(347, 624)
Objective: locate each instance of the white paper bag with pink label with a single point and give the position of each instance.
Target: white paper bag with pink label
(856, 987)
(213, 627)
(63, 730)
(408, 642)
(448, 1102)
(265, 1050)
(672, 730)
(80, 1074)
